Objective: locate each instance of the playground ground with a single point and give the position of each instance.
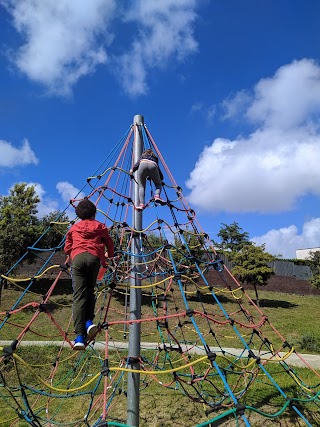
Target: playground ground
(300, 359)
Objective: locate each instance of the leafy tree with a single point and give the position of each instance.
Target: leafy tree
(233, 238)
(189, 249)
(251, 266)
(152, 241)
(314, 264)
(153, 245)
(53, 226)
(19, 224)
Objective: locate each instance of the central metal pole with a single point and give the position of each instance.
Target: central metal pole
(133, 391)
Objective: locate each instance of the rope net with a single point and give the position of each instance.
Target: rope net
(194, 314)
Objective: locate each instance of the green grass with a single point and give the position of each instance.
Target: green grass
(292, 315)
(159, 406)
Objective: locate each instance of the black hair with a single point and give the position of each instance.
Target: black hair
(85, 209)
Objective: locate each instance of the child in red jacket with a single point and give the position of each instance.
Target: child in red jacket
(86, 241)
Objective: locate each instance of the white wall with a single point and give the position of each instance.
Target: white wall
(305, 253)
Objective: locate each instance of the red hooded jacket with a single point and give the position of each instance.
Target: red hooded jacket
(89, 235)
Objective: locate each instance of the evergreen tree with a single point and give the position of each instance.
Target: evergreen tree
(314, 264)
(19, 225)
(251, 266)
(54, 227)
(187, 250)
(153, 241)
(232, 237)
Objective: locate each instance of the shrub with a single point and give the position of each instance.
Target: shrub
(309, 342)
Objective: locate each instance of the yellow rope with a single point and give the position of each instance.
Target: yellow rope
(30, 278)
(83, 386)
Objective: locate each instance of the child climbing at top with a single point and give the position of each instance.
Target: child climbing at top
(147, 166)
(86, 243)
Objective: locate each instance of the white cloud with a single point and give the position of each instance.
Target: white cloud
(165, 31)
(11, 156)
(211, 113)
(286, 240)
(266, 171)
(68, 191)
(46, 204)
(63, 40)
(273, 168)
(207, 111)
(288, 99)
(236, 104)
(197, 107)
(66, 40)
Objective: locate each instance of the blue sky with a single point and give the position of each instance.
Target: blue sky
(229, 90)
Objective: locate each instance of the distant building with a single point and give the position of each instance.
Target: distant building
(305, 253)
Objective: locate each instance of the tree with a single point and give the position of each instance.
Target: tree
(54, 226)
(152, 241)
(251, 266)
(233, 238)
(314, 264)
(187, 251)
(19, 224)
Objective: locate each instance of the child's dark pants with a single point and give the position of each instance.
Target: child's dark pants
(85, 269)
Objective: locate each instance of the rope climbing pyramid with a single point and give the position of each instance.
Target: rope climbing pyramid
(169, 316)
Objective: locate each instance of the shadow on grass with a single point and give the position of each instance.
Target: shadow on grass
(208, 299)
(146, 300)
(272, 303)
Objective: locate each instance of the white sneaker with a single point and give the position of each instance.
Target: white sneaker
(158, 199)
(79, 343)
(92, 330)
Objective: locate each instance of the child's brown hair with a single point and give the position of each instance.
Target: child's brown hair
(149, 152)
